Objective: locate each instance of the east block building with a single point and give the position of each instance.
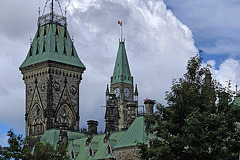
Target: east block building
(52, 72)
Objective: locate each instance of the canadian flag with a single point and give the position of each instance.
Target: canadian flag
(120, 22)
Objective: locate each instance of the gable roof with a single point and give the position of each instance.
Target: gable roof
(135, 134)
(52, 42)
(121, 66)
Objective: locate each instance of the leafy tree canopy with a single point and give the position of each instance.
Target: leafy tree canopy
(16, 150)
(199, 121)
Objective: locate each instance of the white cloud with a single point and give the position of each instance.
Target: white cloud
(215, 23)
(157, 43)
(228, 71)
(3, 140)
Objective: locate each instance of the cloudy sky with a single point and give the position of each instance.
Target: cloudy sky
(160, 36)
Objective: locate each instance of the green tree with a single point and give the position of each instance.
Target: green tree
(16, 150)
(199, 121)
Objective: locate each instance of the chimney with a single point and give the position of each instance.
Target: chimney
(92, 126)
(149, 103)
(131, 113)
(63, 137)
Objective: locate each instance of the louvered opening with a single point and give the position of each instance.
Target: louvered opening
(30, 51)
(56, 31)
(56, 49)
(72, 51)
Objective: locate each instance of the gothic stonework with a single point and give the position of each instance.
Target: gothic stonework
(127, 153)
(52, 90)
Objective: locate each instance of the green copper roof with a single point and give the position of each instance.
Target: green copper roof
(52, 136)
(135, 134)
(236, 101)
(101, 150)
(52, 42)
(77, 141)
(121, 66)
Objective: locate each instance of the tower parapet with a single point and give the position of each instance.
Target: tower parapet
(52, 18)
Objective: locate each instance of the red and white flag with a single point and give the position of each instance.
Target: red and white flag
(120, 22)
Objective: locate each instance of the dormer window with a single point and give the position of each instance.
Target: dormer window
(72, 154)
(90, 151)
(108, 149)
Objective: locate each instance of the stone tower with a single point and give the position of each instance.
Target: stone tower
(112, 114)
(122, 87)
(52, 72)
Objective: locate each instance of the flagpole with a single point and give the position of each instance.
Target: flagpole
(120, 23)
(121, 31)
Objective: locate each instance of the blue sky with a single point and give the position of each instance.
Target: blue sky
(160, 37)
(214, 24)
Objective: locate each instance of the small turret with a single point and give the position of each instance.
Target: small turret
(111, 115)
(136, 94)
(107, 93)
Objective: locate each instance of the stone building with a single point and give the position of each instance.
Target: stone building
(52, 72)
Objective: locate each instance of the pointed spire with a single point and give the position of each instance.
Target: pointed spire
(136, 91)
(121, 70)
(107, 91)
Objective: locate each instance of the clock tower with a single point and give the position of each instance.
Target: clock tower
(122, 86)
(52, 72)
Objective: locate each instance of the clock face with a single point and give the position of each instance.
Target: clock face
(126, 92)
(117, 92)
